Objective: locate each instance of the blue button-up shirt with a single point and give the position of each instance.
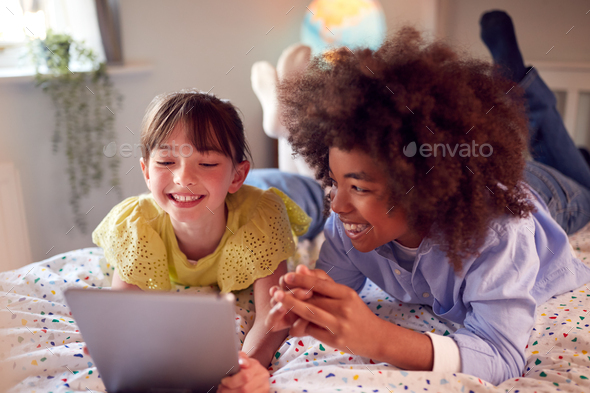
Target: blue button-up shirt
(522, 263)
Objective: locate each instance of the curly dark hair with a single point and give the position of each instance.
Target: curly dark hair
(410, 91)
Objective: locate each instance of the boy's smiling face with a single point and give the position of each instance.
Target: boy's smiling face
(359, 197)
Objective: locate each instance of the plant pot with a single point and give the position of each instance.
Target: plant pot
(57, 54)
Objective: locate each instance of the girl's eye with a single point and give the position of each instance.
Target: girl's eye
(165, 163)
(209, 165)
(359, 189)
(333, 182)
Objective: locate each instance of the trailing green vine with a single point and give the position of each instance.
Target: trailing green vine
(85, 104)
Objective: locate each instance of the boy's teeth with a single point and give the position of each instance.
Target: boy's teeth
(355, 227)
(181, 198)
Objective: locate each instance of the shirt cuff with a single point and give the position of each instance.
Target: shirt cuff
(447, 357)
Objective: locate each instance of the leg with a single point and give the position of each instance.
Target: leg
(550, 142)
(305, 191)
(264, 83)
(265, 79)
(567, 200)
(497, 32)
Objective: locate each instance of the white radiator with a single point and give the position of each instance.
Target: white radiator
(15, 248)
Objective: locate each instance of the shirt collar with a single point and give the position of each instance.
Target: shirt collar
(424, 248)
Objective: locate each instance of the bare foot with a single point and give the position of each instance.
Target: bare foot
(293, 60)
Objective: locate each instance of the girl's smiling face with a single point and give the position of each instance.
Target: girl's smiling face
(190, 185)
(359, 197)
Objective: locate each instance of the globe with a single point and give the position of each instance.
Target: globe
(335, 23)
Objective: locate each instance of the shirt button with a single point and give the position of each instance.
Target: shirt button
(425, 294)
(397, 271)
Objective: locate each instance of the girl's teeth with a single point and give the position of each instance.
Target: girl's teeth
(181, 198)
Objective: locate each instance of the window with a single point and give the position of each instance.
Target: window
(24, 20)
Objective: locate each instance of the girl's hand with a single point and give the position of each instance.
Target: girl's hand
(253, 377)
(337, 316)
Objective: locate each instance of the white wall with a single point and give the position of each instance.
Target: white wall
(194, 44)
(539, 25)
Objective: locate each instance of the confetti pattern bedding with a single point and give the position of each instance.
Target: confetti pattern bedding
(41, 346)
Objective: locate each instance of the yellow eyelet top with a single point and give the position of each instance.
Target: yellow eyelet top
(138, 238)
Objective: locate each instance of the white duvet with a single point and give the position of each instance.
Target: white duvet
(42, 347)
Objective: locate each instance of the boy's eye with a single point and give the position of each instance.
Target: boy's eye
(359, 189)
(166, 163)
(333, 182)
(209, 165)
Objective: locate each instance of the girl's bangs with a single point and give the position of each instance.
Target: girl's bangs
(206, 129)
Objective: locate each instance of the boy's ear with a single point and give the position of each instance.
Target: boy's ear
(241, 172)
(145, 171)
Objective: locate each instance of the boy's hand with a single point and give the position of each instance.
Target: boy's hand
(284, 319)
(253, 377)
(336, 315)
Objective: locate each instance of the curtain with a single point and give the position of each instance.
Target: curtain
(107, 12)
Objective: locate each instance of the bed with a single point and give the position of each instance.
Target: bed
(42, 347)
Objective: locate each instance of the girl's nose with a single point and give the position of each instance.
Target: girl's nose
(184, 177)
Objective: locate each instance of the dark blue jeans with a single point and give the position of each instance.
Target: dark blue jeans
(304, 191)
(559, 172)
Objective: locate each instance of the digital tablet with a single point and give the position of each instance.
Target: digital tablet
(154, 341)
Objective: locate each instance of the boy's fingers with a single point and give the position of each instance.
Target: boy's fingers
(326, 287)
(298, 329)
(321, 333)
(306, 310)
(282, 284)
(301, 294)
(319, 273)
(304, 271)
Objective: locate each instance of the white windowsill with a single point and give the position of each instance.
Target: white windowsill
(27, 74)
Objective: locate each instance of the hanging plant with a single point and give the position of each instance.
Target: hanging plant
(85, 104)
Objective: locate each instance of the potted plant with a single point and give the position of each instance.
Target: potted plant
(85, 104)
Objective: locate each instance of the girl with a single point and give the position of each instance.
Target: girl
(423, 151)
(200, 226)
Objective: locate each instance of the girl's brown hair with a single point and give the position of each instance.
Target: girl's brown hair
(409, 91)
(209, 122)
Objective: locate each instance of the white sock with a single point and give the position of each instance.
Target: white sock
(264, 83)
(265, 78)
